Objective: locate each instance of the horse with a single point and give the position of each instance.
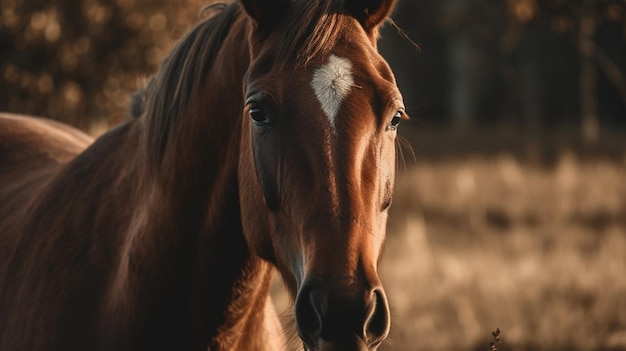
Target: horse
(265, 142)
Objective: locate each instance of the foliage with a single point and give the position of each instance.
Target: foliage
(78, 61)
(68, 59)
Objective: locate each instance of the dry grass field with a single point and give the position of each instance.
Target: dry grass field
(529, 237)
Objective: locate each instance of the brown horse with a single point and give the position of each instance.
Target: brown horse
(267, 139)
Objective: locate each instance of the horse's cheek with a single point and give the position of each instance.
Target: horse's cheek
(266, 164)
(254, 212)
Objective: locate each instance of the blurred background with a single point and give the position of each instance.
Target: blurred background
(510, 206)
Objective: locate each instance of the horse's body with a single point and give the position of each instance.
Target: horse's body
(68, 283)
(161, 235)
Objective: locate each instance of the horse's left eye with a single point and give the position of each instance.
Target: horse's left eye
(395, 121)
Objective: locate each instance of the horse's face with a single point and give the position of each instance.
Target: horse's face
(316, 179)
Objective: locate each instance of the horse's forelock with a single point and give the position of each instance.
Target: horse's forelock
(310, 29)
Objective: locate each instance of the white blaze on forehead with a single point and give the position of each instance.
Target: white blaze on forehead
(332, 83)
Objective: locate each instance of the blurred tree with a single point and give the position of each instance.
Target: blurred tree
(514, 62)
(527, 63)
(471, 28)
(577, 24)
(78, 61)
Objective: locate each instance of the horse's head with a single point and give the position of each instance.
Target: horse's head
(318, 161)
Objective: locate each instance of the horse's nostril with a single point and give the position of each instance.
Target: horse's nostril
(341, 320)
(311, 307)
(377, 322)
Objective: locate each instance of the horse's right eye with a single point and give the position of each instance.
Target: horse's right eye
(259, 117)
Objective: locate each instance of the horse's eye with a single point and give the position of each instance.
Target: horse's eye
(259, 117)
(395, 121)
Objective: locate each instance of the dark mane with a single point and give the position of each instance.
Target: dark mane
(168, 93)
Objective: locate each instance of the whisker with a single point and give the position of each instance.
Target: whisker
(402, 145)
(404, 34)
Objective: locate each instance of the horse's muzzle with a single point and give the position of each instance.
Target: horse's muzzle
(342, 321)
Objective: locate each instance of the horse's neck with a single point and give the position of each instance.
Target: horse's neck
(186, 254)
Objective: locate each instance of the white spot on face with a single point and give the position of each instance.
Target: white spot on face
(332, 83)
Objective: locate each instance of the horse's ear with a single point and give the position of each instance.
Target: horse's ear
(370, 13)
(266, 13)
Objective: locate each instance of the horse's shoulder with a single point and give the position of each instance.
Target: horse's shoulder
(32, 151)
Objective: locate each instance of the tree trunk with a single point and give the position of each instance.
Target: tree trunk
(588, 76)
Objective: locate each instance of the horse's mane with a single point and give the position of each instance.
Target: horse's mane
(309, 28)
(168, 93)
